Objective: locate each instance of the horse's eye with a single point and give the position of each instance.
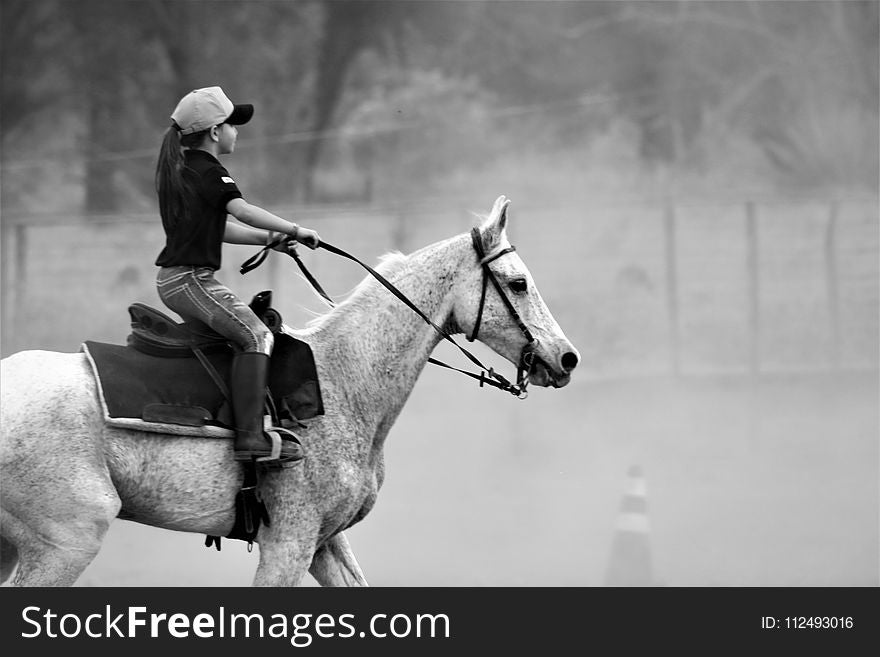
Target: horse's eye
(519, 285)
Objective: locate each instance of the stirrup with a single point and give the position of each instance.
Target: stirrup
(270, 456)
(274, 460)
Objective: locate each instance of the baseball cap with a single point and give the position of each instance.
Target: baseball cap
(204, 108)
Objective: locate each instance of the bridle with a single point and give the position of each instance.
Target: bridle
(527, 356)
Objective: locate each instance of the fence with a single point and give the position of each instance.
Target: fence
(641, 287)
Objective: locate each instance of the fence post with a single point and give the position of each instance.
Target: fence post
(754, 288)
(831, 282)
(672, 287)
(14, 271)
(6, 239)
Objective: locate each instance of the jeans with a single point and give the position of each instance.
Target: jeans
(195, 295)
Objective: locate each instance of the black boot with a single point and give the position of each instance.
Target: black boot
(248, 378)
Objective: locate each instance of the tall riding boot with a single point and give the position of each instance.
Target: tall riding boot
(248, 379)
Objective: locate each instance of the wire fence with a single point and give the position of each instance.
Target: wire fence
(641, 287)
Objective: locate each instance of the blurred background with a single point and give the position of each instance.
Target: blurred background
(694, 186)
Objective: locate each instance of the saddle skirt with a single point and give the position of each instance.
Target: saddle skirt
(156, 383)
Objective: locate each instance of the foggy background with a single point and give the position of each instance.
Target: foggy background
(694, 187)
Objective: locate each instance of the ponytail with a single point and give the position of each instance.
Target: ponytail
(170, 184)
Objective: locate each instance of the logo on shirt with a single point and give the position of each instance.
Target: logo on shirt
(227, 179)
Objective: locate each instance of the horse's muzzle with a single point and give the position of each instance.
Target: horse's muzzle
(544, 375)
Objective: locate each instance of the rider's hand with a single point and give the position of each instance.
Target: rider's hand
(285, 245)
(308, 237)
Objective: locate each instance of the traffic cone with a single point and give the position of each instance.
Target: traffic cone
(630, 560)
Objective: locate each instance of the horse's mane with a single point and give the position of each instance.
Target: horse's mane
(389, 265)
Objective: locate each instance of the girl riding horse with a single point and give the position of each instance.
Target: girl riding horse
(196, 193)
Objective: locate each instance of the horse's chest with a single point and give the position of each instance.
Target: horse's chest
(366, 506)
(355, 496)
(364, 501)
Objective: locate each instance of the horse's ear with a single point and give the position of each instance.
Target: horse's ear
(499, 212)
(496, 224)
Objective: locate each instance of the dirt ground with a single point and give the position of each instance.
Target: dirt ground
(765, 483)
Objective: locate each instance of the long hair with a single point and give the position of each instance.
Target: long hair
(171, 185)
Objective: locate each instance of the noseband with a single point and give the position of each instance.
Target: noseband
(527, 356)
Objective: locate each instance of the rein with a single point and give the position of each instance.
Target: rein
(495, 380)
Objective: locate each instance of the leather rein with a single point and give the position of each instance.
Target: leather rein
(487, 376)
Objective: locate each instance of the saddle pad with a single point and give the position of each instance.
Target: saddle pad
(130, 381)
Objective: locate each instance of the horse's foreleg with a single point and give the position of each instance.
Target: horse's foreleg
(283, 563)
(334, 564)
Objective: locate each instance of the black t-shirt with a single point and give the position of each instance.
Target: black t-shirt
(198, 239)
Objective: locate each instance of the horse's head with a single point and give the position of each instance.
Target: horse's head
(511, 317)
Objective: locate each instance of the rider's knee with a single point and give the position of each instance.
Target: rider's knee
(263, 342)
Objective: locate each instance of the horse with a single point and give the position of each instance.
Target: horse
(65, 475)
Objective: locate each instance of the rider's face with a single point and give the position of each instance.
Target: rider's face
(226, 137)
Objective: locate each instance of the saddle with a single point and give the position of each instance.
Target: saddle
(171, 377)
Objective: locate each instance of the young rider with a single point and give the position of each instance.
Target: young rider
(196, 193)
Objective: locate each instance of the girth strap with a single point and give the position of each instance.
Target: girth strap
(250, 511)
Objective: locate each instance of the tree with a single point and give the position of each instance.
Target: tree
(34, 36)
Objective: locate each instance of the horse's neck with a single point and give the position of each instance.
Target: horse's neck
(374, 347)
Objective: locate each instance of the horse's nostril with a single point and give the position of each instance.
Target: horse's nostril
(569, 361)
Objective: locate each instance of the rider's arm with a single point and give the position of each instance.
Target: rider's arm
(255, 216)
(236, 233)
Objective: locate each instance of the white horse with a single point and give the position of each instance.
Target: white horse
(66, 475)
